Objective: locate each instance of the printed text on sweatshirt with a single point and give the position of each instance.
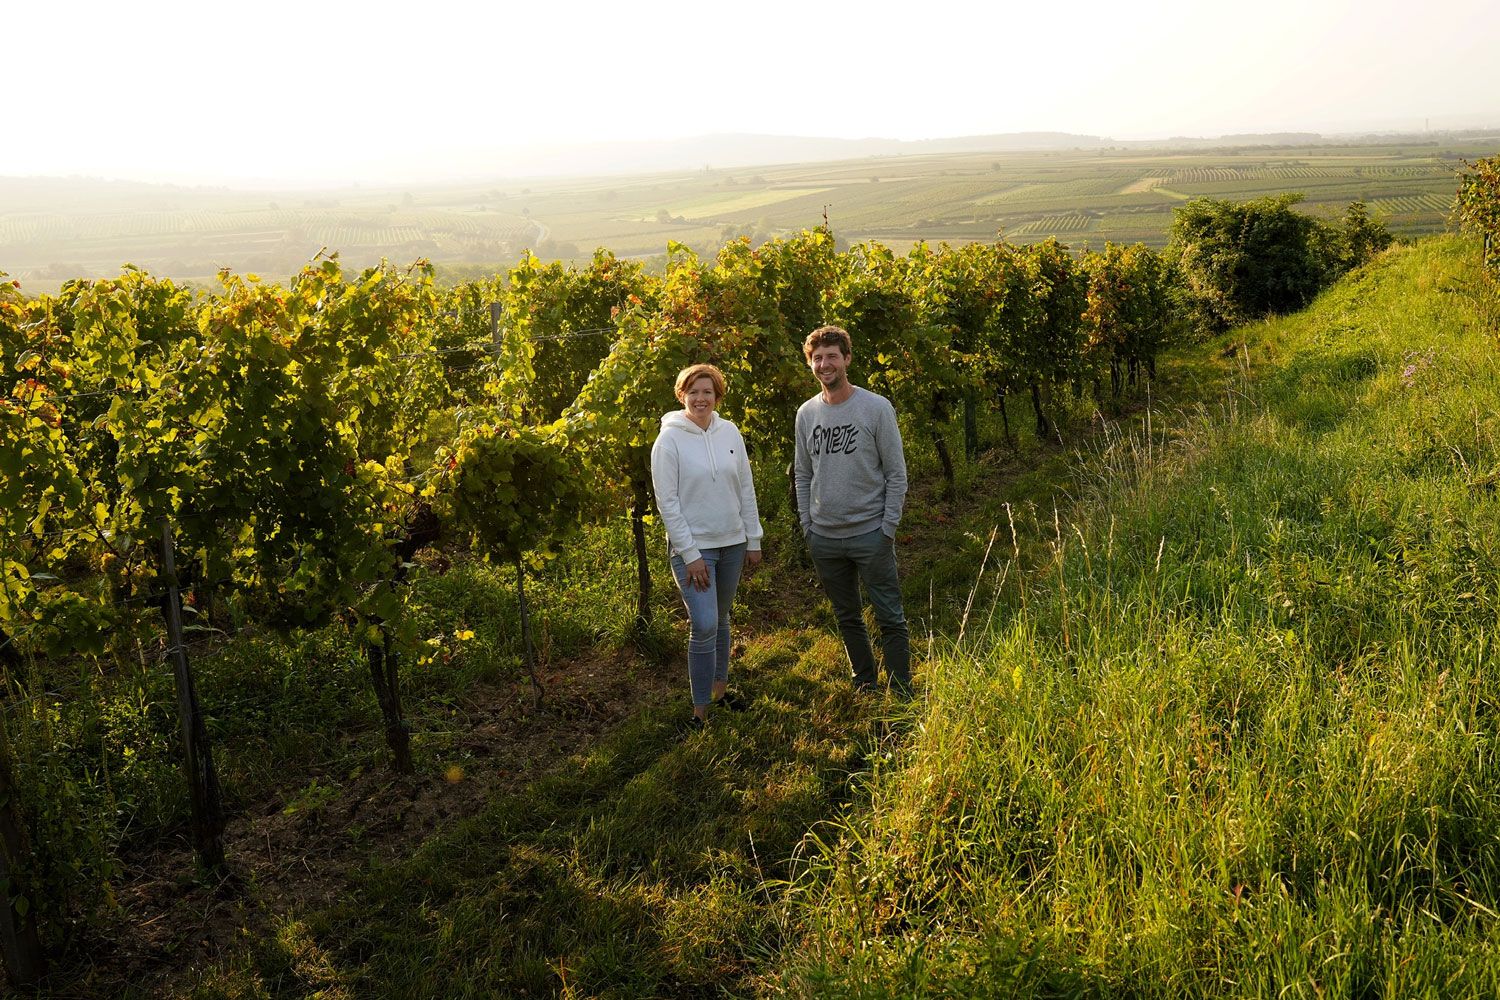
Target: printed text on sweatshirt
(850, 470)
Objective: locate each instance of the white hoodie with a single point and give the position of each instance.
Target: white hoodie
(703, 486)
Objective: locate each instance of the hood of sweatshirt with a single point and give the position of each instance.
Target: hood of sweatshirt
(680, 422)
(677, 420)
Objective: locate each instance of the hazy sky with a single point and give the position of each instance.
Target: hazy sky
(324, 91)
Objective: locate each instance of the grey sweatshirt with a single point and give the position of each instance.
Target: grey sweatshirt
(850, 470)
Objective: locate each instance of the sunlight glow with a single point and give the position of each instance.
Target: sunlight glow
(175, 91)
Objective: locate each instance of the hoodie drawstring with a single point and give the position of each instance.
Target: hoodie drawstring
(713, 461)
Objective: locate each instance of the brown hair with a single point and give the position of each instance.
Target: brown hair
(827, 336)
(693, 373)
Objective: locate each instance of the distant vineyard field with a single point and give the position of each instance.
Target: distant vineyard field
(1414, 204)
(722, 205)
(1120, 222)
(1077, 196)
(1075, 222)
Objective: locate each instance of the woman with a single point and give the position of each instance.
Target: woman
(707, 501)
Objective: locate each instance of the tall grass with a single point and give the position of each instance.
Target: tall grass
(1230, 727)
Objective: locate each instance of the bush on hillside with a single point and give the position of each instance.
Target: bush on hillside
(1359, 239)
(1243, 260)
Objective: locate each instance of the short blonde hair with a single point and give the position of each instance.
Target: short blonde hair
(691, 374)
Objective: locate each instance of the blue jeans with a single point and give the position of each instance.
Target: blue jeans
(708, 617)
(842, 564)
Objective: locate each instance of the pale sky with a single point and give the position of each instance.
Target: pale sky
(309, 91)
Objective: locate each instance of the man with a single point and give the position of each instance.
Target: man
(851, 484)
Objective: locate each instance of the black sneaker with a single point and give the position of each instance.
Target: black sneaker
(694, 724)
(733, 702)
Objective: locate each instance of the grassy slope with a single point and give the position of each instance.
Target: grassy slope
(1235, 732)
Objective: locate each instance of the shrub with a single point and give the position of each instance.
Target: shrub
(1248, 259)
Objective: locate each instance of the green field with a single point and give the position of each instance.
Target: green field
(719, 206)
(53, 230)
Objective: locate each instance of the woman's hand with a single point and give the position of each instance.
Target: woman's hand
(752, 558)
(697, 574)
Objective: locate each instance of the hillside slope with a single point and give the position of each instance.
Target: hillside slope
(1236, 733)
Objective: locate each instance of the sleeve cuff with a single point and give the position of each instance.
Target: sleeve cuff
(691, 555)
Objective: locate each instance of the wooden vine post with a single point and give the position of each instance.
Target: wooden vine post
(497, 334)
(381, 654)
(203, 780)
(640, 505)
(528, 647)
(383, 661)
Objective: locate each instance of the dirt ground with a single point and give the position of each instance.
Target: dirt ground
(292, 857)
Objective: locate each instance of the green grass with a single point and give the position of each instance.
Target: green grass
(642, 869)
(1231, 726)
(96, 738)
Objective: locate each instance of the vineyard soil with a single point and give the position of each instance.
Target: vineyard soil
(299, 849)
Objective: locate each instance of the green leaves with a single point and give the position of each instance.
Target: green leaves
(1478, 207)
(273, 423)
(248, 419)
(1244, 260)
(1134, 309)
(512, 490)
